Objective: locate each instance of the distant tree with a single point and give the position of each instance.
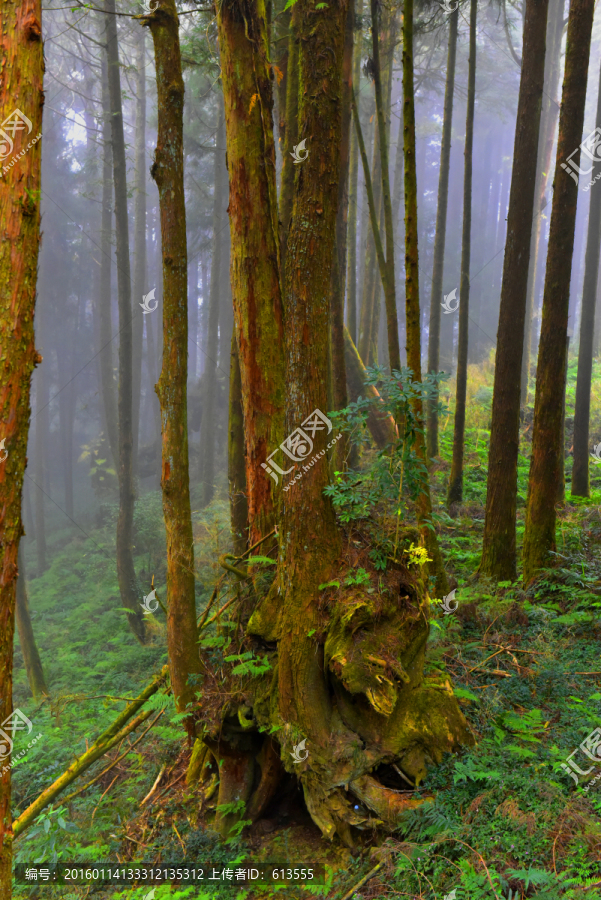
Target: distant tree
(441, 230)
(139, 283)
(539, 536)
(455, 490)
(22, 62)
(499, 543)
(580, 469)
(412, 307)
(126, 573)
(29, 649)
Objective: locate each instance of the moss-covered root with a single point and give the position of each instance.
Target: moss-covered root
(236, 774)
(271, 775)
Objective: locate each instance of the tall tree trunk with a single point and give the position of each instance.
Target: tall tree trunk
(455, 491)
(168, 172)
(207, 432)
(126, 573)
(389, 284)
(499, 544)
(236, 472)
(539, 537)
(550, 112)
(580, 483)
(139, 284)
(103, 295)
(31, 656)
(351, 288)
(412, 310)
(255, 276)
(338, 366)
(22, 60)
(441, 231)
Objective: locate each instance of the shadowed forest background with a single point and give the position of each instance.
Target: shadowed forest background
(301, 406)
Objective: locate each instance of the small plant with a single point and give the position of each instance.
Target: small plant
(418, 556)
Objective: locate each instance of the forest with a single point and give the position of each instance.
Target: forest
(300, 514)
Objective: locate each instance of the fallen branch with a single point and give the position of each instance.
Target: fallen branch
(363, 881)
(113, 735)
(154, 787)
(113, 764)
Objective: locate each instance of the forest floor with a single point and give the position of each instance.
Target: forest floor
(506, 820)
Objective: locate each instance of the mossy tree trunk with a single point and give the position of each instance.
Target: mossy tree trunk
(139, 284)
(412, 308)
(236, 471)
(22, 61)
(539, 536)
(455, 489)
(126, 573)
(580, 469)
(351, 275)
(499, 543)
(441, 230)
(255, 272)
(168, 173)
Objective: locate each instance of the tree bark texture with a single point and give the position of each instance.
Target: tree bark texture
(441, 230)
(168, 173)
(236, 470)
(539, 537)
(351, 289)
(499, 543)
(580, 469)
(255, 273)
(126, 573)
(455, 490)
(22, 64)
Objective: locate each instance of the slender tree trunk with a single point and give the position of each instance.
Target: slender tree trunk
(382, 426)
(580, 483)
(66, 402)
(550, 112)
(499, 544)
(139, 284)
(31, 656)
(207, 432)
(389, 284)
(455, 491)
(126, 573)
(168, 173)
(412, 310)
(539, 537)
(21, 55)
(255, 276)
(436, 295)
(103, 296)
(193, 318)
(351, 289)
(236, 471)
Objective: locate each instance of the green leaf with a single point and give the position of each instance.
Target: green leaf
(262, 559)
(328, 584)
